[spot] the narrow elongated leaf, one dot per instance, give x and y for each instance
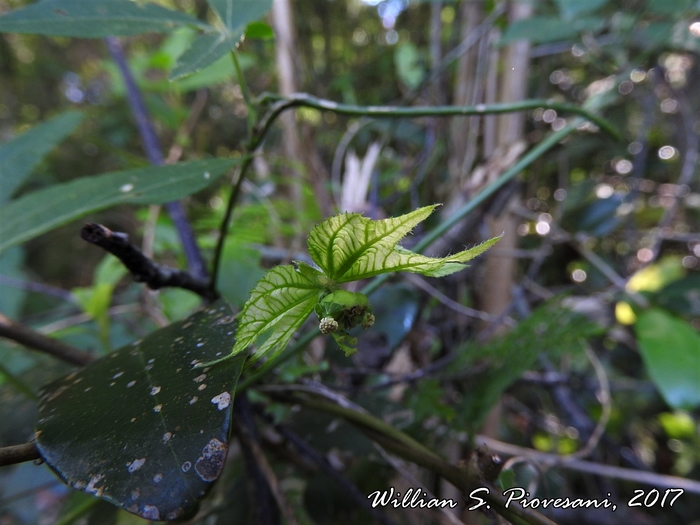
(141, 427)
(279, 304)
(205, 50)
(236, 14)
(94, 18)
(350, 240)
(20, 156)
(43, 210)
(671, 351)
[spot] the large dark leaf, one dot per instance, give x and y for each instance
(141, 427)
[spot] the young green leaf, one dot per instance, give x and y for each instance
(277, 307)
(350, 241)
(141, 427)
(349, 247)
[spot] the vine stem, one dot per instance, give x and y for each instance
(281, 104)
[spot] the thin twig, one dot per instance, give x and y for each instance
(604, 399)
(45, 289)
(317, 458)
(142, 268)
(155, 156)
(454, 305)
(18, 454)
(398, 466)
(31, 339)
(256, 462)
(554, 460)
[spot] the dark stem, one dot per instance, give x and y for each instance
(18, 454)
(150, 143)
(31, 339)
(143, 269)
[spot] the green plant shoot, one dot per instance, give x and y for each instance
(347, 247)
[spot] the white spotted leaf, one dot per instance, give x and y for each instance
(142, 427)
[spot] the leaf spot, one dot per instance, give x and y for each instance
(130, 384)
(201, 387)
(199, 345)
(167, 436)
(157, 408)
(186, 466)
(57, 393)
(135, 494)
(126, 188)
(112, 383)
(133, 419)
(118, 374)
(211, 462)
(155, 390)
(207, 175)
(150, 513)
(225, 320)
(148, 367)
(222, 401)
(200, 378)
(91, 486)
(194, 400)
(87, 389)
(135, 465)
(151, 360)
(158, 478)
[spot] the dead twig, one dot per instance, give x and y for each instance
(141, 267)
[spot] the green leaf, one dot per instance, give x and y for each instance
(141, 427)
(542, 29)
(349, 247)
(570, 9)
(236, 14)
(277, 307)
(670, 348)
(94, 18)
(19, 156)
(205, 50)
(350, 241)
(46, 209)
(259, 31)
(408, 66)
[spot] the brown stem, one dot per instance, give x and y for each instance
(141, 267)
(18, 454)
(31, 339)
